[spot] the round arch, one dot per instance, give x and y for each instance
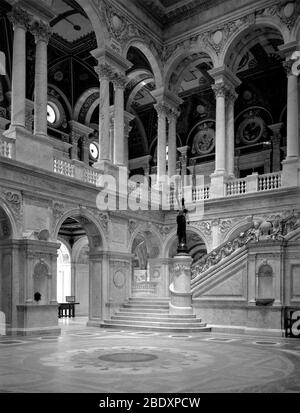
(239, 227)
(16, 231)
(184, 53)
(93, 12)
(224, 56)
(144, 230)
(90, 225)
(153, 60)
(83, 99)
(173, 234)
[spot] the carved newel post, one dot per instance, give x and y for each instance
(180, 288)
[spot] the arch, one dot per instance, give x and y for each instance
(244, 29)
(83, 99)
(91, 225)
(295, 34)
(153, 60)
(63, 96)
(77, 247)
(15, 231)
(173, 234)
(239, 227)
(93, 12)
(184, 53)
(144, 229)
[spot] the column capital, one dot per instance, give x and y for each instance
(220, 89)
(119, 81)
(41, 31)
(288, 64)
(161, 109)
(19, 18)
(173, 114)
(232, 95)
(104, 71)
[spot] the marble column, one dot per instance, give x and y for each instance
(127, 129)
(230, 134)
(105, 73)
(85, 150)
(20, 20)
(276, 139)
(172, 144)
(220, 90)
(41, 32)
(119, 84)
(74, 140)
(161, 141)
(292, 113)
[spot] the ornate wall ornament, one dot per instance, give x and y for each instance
(119, 279)
(58, 210)
(41, 269)
(41, 31)
(203, 138)
(220, 90)
(252, 129)
(85, 107)
(164, 230)
(179, 268)
(14, 200)
(19, 18)
(204, 226)
(287, 13)
(104, 220)
(119, 80)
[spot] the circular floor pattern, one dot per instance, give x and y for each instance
(50, 338)
(267, 343)
(128, 357)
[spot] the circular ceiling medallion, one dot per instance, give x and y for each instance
(218, 37)
(204, 140)
(251, 130)
(288, 10)
(58, 76)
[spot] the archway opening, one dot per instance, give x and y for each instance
(5, 273)
(77, 276)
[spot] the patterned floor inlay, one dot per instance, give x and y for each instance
(267, 343)
(128, 357)
(10, 342)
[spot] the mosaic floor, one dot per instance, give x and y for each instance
(86, 359)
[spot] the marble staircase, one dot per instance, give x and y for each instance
(145, 313)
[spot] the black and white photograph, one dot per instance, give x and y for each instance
(149, 203)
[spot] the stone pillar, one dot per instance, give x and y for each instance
(74, 141)
(85, 150)
(80, 131)
(20, 21)
(41, 32)
(230, 134)
(161, 141)
(119, 84)
(220, 91)
(95, 289)
(180, 287)
(276, 139)
(105, 74)
(128, 118)
(292, 113)
(172, 144)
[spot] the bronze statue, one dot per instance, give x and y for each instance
(181, 229)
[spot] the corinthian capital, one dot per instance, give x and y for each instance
(19, 18)
(104, 71)
(119, 81)
(161, 109)
(41, 31)
(288, 65)
(220, 89)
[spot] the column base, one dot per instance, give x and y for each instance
(217, 184)
(180, 288)
(291, 172)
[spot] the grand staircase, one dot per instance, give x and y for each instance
(145, 313)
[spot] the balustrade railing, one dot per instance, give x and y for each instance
(91, 176)
(64, 167)
(236, 187)
(5, 148)
(271, 181)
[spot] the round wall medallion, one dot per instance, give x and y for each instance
(156, 274)
(251, 130)
(204, 141)
(289, 9)
(217, 37)
(58, 76)
(119, 279)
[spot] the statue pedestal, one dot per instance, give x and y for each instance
(180, 288)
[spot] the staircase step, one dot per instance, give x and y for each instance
(144, 310)
(147, 306)
(173, 329)
(156, 323)
(122, 312)
(155, 319)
